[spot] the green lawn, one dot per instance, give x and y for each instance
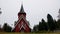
(29, 33)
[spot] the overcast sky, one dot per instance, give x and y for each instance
(35, 10)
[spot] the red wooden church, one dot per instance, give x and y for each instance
(22, 24)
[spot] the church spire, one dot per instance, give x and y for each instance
(22, 9)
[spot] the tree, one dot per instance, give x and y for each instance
(6, 27)
(50, 22)
(40, 26)
(35, 28)
(58, 23)
(15, 23)
(44, 25)
(59, 19)
(0, 11)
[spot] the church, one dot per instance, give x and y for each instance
(22, 25)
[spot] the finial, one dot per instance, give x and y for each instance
(21, 2)
(22, 9)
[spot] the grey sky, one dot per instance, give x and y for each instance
(35, 10)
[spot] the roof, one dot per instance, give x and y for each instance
(22, 9)
(20, 20)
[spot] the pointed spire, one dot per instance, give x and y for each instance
(22, 9)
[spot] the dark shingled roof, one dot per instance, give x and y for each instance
(22, 9)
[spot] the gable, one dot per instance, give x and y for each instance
(24, 19)
(19, 23)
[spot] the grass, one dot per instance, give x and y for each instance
(29, 33)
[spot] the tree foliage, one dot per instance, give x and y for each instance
(35, 28)
(58, 24)
(6, 27)
(44, 25)
(50, 25)
(50, 22)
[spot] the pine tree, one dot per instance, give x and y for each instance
(50, 22)
(6, 27)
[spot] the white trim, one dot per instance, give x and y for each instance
(20, 19)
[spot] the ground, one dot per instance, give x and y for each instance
(29, 33)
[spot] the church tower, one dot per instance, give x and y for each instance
(21, 12)
(22, 24)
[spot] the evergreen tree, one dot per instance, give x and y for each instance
(58, 23)
(40, 26)
(44, 25)
(0, 11)
(50, 22)
(6, 27)
(35, 28)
